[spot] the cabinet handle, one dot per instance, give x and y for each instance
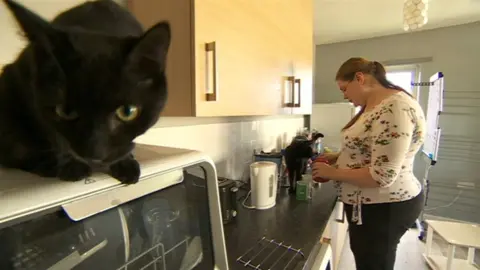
(211, 71)
(289, 91)
(341, 220)
(297, 87)
(342, 212)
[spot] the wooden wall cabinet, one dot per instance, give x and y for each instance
(235, 57)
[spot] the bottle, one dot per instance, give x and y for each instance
(308, 182)
(310, 187)
(319, 145)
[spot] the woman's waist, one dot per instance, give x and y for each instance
(405, 168)
(381, 201)
(404, 181)
(399, 191)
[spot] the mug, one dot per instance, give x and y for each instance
(319, 179)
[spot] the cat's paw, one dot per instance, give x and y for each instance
(74, 171)
(126, 171)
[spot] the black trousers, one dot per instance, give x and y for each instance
(374, 243)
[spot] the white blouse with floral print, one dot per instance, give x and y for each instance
(385, 139)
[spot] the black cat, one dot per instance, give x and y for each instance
(83, 89)
(297, 155)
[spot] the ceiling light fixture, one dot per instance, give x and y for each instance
(414, 14)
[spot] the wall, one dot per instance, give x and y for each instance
(11, 40)
(453, 51)
(450, 50)
(229, 141)
(331, 127)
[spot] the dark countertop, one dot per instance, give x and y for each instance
(296, 223)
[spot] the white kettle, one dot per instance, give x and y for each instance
(263, 183)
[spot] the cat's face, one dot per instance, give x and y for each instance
(95, 93)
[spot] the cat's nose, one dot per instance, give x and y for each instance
(95, 157)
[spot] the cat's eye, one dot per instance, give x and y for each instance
(127, 113)
(64, 113)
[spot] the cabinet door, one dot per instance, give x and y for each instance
(250, 62)
(303, 51)
(339, 226)
(180, 59)
(252, 53)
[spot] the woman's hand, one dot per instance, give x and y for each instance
(321, 171)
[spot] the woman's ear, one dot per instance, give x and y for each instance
(360, 77)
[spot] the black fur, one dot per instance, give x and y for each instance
(61, 100)
(297, 155)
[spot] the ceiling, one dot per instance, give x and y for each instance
(344, 20)
(337, 20)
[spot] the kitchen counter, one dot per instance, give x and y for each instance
(296, 223)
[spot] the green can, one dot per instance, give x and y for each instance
(303, 190)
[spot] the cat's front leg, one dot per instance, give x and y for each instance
(44, 166)
(126, 170)
(74, 170)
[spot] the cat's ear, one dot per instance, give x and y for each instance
(35, 28)
(152, 47)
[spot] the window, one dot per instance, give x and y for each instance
(403, 76)
(402, 79)
(357, 109)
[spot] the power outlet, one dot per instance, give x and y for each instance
(466, 185)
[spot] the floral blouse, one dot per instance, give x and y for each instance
(386, 140)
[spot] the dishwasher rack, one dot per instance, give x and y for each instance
(158, 261)
(153, 258)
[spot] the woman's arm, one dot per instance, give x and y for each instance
(391, 136)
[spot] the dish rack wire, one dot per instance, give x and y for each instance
(158, 262)
(268, 254)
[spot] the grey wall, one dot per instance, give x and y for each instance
(455, 51)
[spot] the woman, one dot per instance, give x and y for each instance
(373, 172)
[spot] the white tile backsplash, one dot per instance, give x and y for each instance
(230, 145)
